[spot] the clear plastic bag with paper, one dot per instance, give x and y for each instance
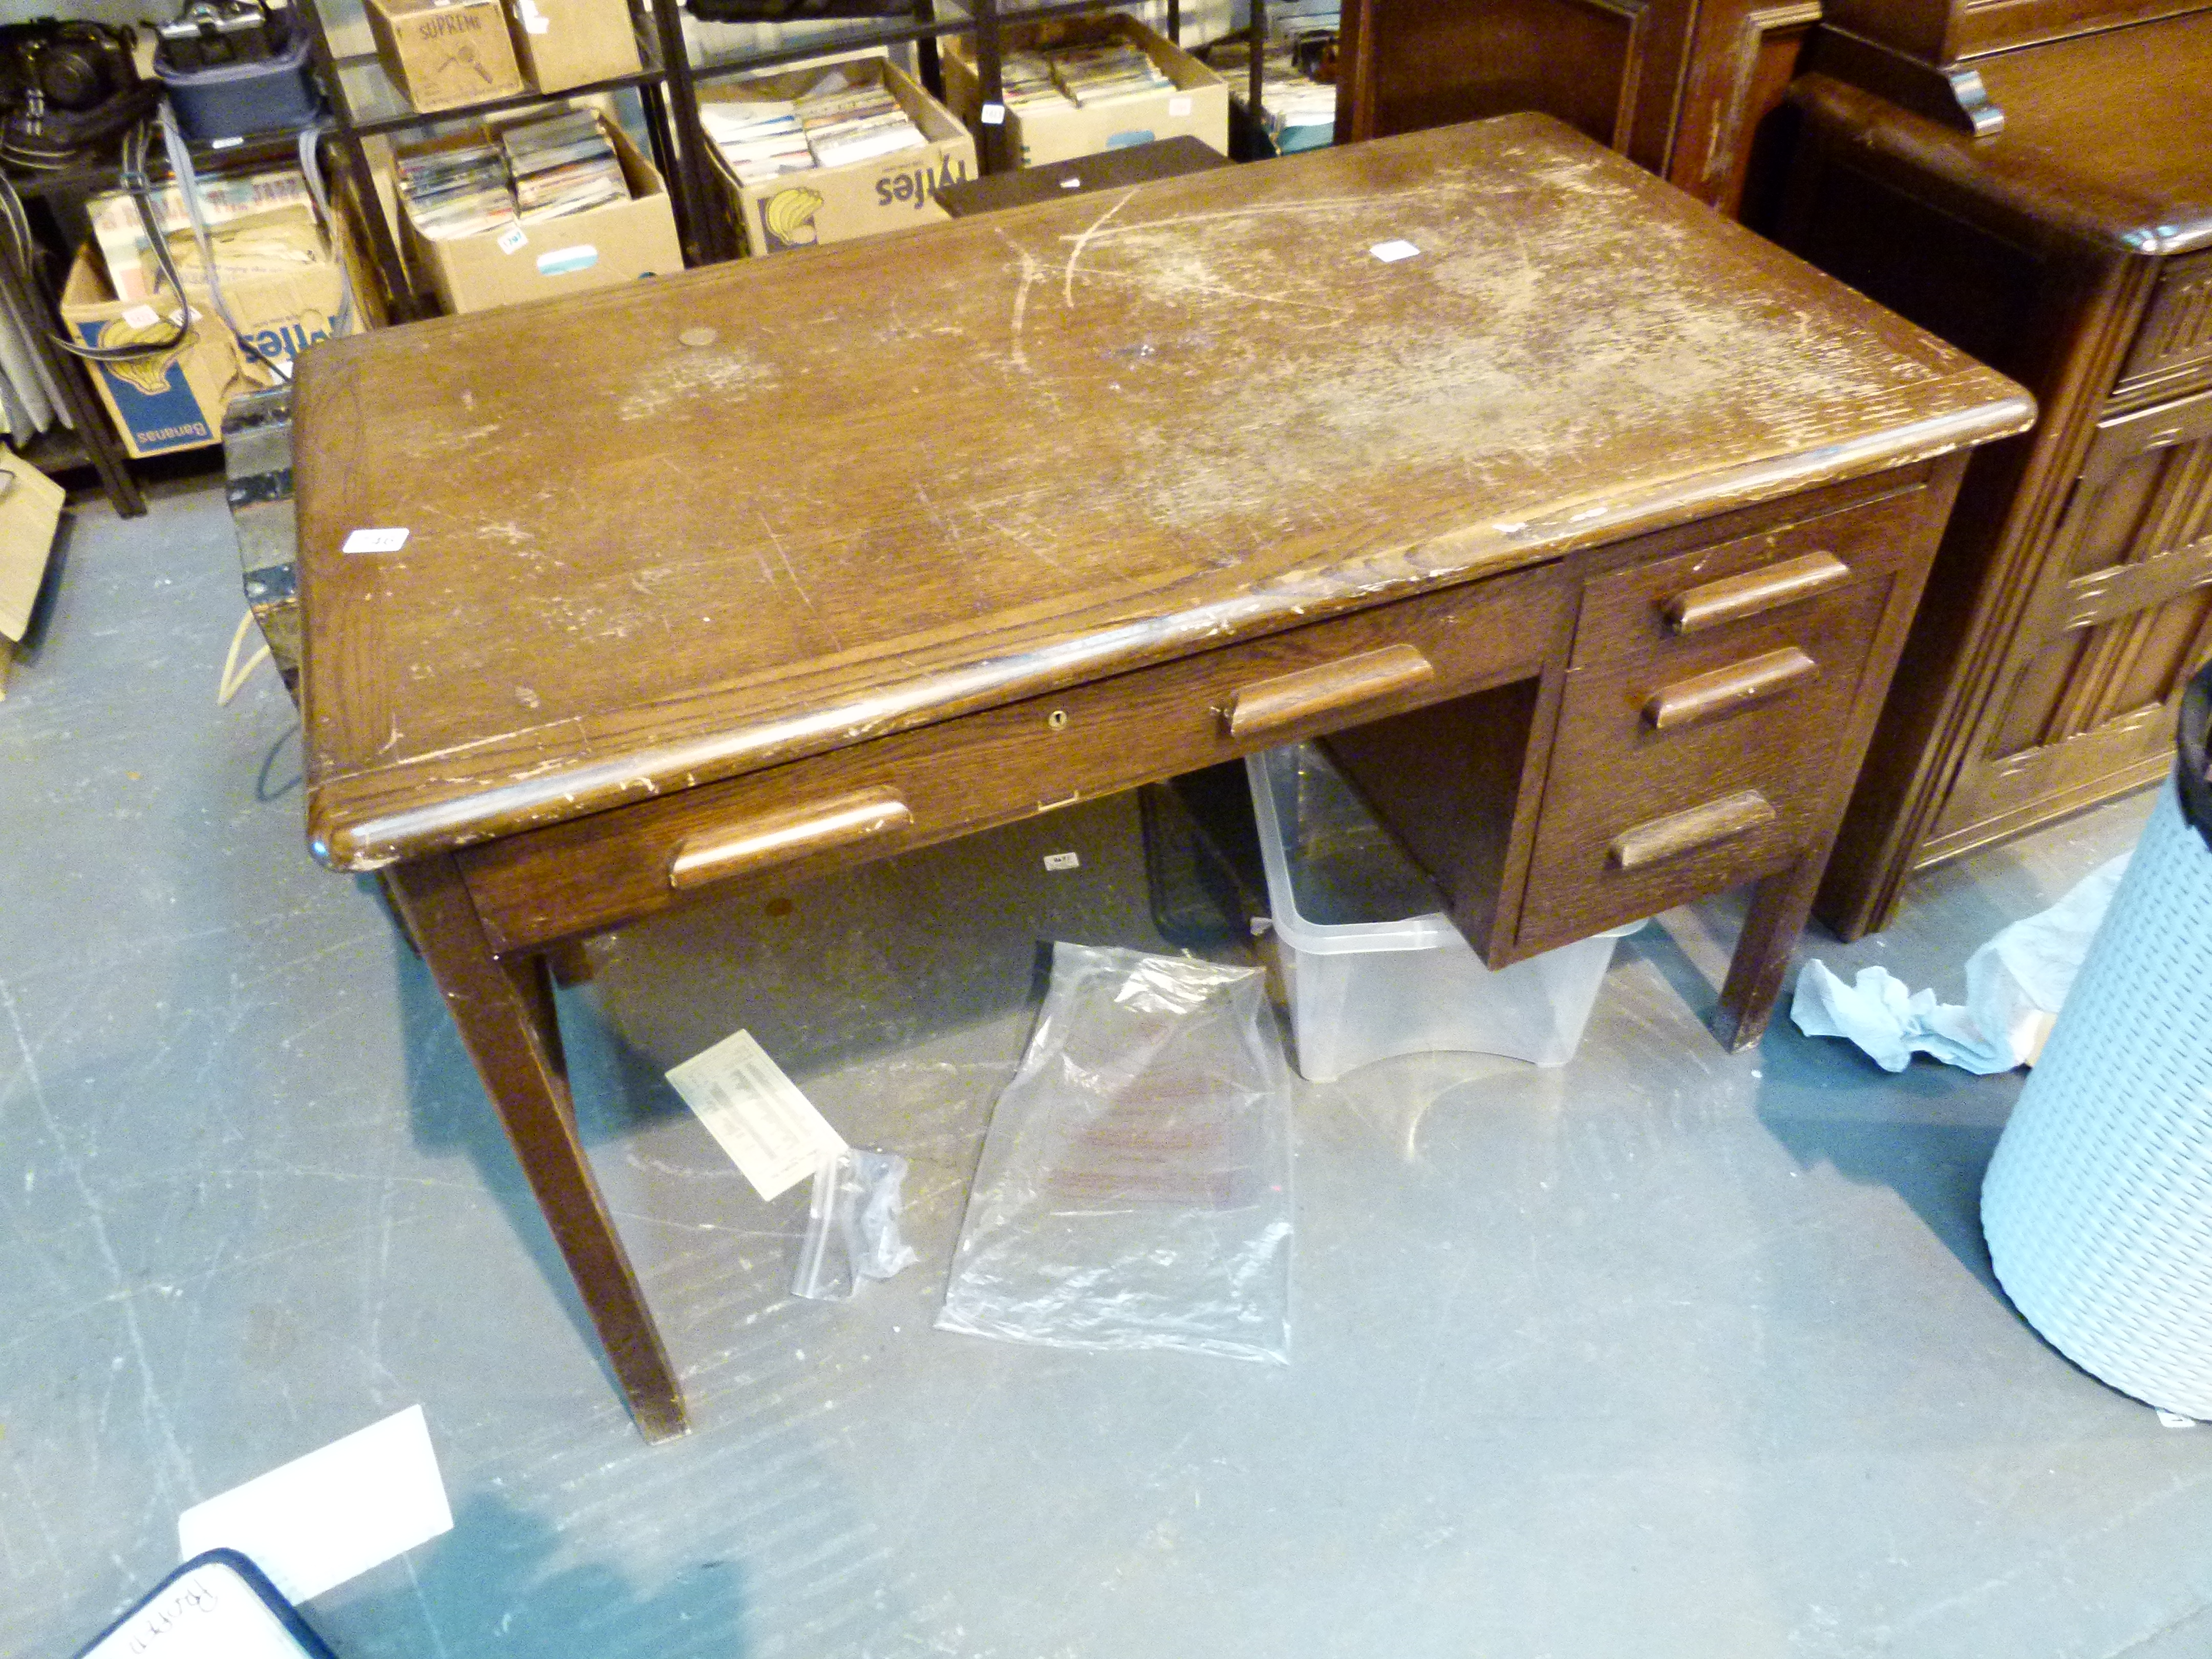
(1135, 1185)
(852, 1225)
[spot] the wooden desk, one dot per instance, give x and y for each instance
(1591, 530)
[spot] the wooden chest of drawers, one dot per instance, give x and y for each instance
(2073, 594)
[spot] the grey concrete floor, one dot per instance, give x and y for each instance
(1667, 1352)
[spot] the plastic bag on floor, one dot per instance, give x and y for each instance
(851, 1226)
(2015, 984)
(1135, 1185)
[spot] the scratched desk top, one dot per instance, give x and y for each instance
(696, 525)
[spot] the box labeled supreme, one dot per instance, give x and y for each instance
(445, 54)
(861, 198)
(536, 259)
(173, 398)
(573, 43)
(1196, 102)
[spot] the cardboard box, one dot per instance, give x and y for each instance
(30, 510)
(572, 43)
(596, 248)
(862, 198)
(1197, 105)
(175, 400)
(225, 199)
(445, 54)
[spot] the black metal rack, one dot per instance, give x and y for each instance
(364, 103)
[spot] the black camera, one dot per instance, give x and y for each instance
(73, 68)
(64, 90)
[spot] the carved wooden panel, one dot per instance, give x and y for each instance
(2125, 615)
(2176, 335)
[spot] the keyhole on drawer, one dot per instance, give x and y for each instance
(1057, 719)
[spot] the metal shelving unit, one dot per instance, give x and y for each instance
(366, 103)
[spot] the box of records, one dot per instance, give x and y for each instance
(445, 54)
(572, 43)
(547, 203)
(827, 155)
(193, 359)
(1090, 84)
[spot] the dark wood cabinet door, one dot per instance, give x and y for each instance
(1678, 87)
(2122, 616)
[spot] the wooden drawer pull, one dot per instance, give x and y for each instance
(1735, 597)
(1265, 706)
(776, 837)
(1703, 696)
(1685, 832)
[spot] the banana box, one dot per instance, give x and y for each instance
(858, 198)
(173, 396)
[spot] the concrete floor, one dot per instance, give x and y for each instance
(1668, 1352)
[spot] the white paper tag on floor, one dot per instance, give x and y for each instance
(209, 1612)
(1063, 860)
(1391, 252)
(771, 1132)
(2175, 1419)
(316, 1522)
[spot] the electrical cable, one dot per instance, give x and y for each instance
(188, 185)
(132, 172)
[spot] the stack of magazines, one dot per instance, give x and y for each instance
(759, 137)
(1098, 75)
(845, 122)
(457, 191)
(835, 121)
(1026, 82)
(563, 164)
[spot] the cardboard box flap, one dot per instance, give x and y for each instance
(30, 512)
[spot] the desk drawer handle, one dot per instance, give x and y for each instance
(778, 837)
(1687, 832)
(1257, 709)
(1704, 696)
(1732, 598)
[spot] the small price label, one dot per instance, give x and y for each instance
(141, 317)
(225, 143)
(994, 115)
(1063, 861)
(512, 240)
(374, 541)
(1178, 107)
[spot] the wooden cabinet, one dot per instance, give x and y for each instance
(2071, 246)
(1678, 87)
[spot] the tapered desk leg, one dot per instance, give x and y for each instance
(1779, 905)
(504, 1010)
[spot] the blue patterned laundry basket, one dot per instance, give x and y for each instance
(2098, 1204)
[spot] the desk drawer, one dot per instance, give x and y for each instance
(1688, 760)
(1696, 604)
(914, 788)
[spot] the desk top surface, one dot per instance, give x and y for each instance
(691, 527)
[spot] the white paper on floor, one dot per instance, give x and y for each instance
(2015, 984)
(313, 1523)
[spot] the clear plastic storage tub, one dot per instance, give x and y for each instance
(1371, 964)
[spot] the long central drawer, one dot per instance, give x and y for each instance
(926, 785)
